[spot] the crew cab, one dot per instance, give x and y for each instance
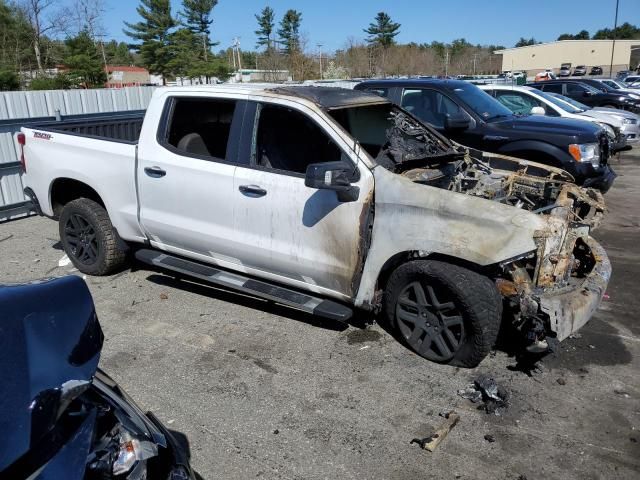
(475, 119)
(327, 200)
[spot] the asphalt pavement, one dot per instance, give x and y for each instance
(262, 391)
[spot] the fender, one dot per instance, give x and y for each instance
(430, 220)
(549, 154)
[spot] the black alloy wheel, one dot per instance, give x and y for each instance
(430, 321)
(82, 239)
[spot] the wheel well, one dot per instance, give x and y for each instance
(537, 156)
(64, 190)
(404, 257)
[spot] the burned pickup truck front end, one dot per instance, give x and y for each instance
(525, 225)
(556, 289)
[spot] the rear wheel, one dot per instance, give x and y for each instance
(445, 313)
(89, 239)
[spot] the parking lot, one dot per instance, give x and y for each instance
(261, 391)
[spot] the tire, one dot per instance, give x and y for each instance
(456, 318)
(89, 239)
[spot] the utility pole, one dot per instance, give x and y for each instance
(475, 59)
(104, 56)
(320, 58)
(446, 63)
(236, 53)
(613, 45)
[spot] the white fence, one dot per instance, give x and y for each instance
(20, 108)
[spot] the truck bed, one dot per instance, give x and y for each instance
(124, 127)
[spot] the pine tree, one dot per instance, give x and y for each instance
(289, 31)
(153, 33)
(198, 19)
(383, 31)
(266, 24)
(84, 61)
(185, 52)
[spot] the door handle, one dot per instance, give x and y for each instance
(252, 191)
(155, 172)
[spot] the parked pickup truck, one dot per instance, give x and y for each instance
(327, 200)
(466, 114)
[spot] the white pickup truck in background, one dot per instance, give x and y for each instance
(326, 200)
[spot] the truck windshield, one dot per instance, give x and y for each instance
(481, 102)
(369, 125)
(613, 84)
(580, 107)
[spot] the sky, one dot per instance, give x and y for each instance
(332, 22)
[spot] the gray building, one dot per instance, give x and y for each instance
(592, 53)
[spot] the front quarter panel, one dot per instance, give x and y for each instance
(410, 217)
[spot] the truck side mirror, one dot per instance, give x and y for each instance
(456, 121)
(538, 111)
(332, 176)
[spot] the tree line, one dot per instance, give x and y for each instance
(31, 47)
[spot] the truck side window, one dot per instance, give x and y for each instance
(575, 89)
(201, 126)
(429, 105)
(288, 140)
(553, 88)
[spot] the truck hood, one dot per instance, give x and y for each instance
(50, 343)
(542, 125)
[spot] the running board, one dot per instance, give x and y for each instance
(301, 301)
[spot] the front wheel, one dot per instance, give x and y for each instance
(89, 239)
(446, 313)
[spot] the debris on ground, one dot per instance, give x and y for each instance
(431, 442)
(164, 296)
(528, 363)
(64, 261)
(622, 393)
(489, 438)
(561, 381)
(485, 390)
(575, 335)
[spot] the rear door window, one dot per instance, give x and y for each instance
(200, 127)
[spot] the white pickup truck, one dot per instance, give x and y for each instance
(326, 200)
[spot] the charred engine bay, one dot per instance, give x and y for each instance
(425, 157)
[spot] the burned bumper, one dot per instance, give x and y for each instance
(569, 310)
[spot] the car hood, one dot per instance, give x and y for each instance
(604, 117)
(50, 342)
(617, 112)
(547, 125)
